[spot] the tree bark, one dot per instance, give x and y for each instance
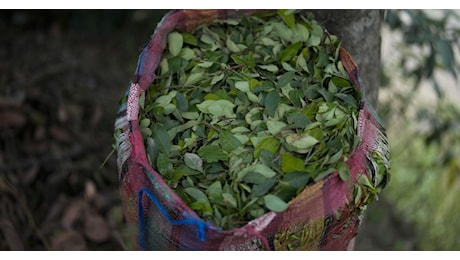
(359, 31)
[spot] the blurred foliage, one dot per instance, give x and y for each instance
(425, 140)
(426, 177)
(434, 40)
(429, 45)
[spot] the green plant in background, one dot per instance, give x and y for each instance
(435, 38)
(425, 140)
(427, 47)
(426, 183)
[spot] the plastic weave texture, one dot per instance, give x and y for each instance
(325, 216)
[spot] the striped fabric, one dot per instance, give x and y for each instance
(325, 216)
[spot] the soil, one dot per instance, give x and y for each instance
(62, 75)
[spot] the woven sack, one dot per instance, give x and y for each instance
(325, 216)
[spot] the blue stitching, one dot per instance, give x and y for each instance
(201, 225)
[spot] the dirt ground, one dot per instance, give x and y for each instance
(61, 76)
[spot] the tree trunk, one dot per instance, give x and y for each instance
(359, 31)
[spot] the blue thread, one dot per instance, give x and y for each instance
(141, 237)
(201, 225)
(141, 60)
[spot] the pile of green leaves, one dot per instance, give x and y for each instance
(245, 113)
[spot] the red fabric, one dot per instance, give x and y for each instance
(322, 217)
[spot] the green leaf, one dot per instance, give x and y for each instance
(181, 102)
(285, 79)
(316, 35)
(358, 193)
(181, 128)
(237, 59)
(152, 150)
(212, 153)
(217, 78)
(296, 96)
(269, 67)
(190, 39)
(301, 63)
(274, 127)
(297, 120)
(165, 99)
(314, 40)
(228, 142)
(164, 66)
(323, 58)
(271, 103)
(176, 175)
(146, 132)
(144, 123)
(175, 64)
(196, 194)
(175, 42)
(267, 41)
(190, 115)
(217, 108)
(240, 129)
(211, 96)
(243, 86)
(161, 137)
(262, 188)
(323, 174)
(349, 100)
(194, 78)
(288, 17)
(232, 46)
(164, 165)
(229, 199)
(215, 190)
(193, 161)
(187, 53)
(301, 33)
(203, 207)
(290, 52)
(205, 64)
(290, 163)
(254, 177)
(344, 172)
(301, 141)
(274, 203)
(264, 170)
(340, 82)
(142, 100)
(364, 180)
(283, 31)
(269, 143)
(297, 179)
(336, 157)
